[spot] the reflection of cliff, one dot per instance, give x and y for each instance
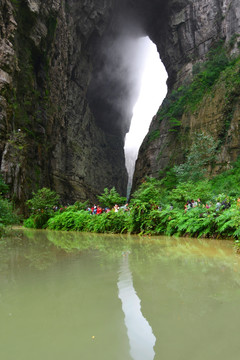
(140, 335)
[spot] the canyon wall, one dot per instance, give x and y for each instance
(69, 77)
(192, 31)
(49, 136)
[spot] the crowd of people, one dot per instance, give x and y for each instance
(220, 205)
(97, 209)
(190, 204)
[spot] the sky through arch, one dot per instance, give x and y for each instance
(152, 92)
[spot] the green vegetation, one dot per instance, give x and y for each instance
(29, 99)
(3, 186)
(41, 207)
(201, 157)
(153, 135)
(188, 97)
(44, 198)
(7, 214)
(157, 209)
(110, 222)
(111, 197)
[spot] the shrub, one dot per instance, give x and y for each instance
(63, 221)
(139, 217)
(227, 182)
(202, 155)
(41, 207)
(7, 215)
(110, 222)
(228, 222)
(78, 205)
(30, 223)
(43, 199)
(190, 190)
(111, 197)
(151, 191)
(3, 186)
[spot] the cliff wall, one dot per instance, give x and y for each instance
(49, 136)
(194, 32)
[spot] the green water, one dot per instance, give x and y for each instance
(83, 296)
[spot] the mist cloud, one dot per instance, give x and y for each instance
(118, 61)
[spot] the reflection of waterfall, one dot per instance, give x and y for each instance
(141, 338)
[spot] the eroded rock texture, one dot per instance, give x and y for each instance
(69, 77)
(45, 72)
(184, 35)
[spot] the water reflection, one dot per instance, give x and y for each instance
(58, 290)
(141, 337)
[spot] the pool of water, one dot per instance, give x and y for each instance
(87, 296)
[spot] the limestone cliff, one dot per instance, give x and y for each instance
(193, 29)
(49, 136)
(69, 76)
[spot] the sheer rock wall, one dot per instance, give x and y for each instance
(49, 136)
(184, 36)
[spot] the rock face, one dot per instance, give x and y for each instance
(184, 35)
(46, 69)
(69, 77)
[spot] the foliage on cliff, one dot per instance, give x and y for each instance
(201, 157)
(205, 75)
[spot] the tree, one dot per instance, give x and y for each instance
(111, 197)
(202, 155)
(3, 186)
(41, 207)
(43, 199)
(151, 191)
(7, 215)
(188, 190)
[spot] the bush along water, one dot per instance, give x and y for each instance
(7, 214)
(195, 208)
(41, 207)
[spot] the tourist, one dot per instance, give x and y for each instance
(116, 208)
(99, 210)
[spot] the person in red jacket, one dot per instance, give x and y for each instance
(99, 210)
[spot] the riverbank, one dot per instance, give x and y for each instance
(199, 222)
(208, 208)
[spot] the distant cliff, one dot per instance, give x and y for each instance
(69, 77)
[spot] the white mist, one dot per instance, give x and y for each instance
(153, 91)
